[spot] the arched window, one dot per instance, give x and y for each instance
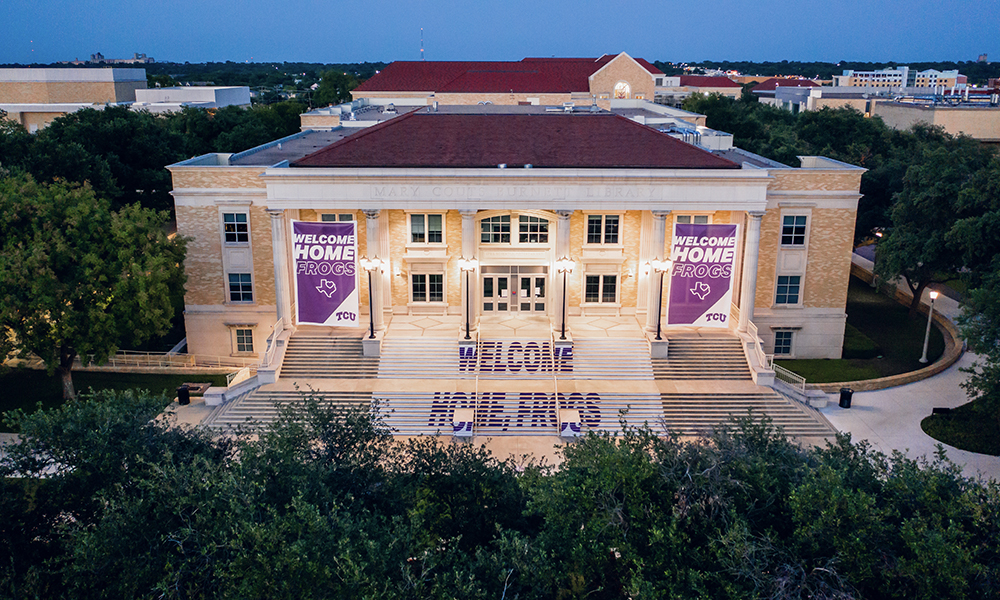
(623, 90)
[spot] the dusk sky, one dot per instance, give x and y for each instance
(297, 30)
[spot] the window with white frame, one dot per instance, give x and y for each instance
(783, 342)
(602, 289)
(333, 217)
(495, 230)
(787, 291)
(244, 340)
(427, 287)
(236, 227)
(603, 229)
(240, 287)
(426, 229)
(693, 219)
(533, 230)
(793, 230)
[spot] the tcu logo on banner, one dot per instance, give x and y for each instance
(326, 274)
(701, 282)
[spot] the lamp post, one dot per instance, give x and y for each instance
(878, 236)
(468, 265)
(927, 333)
(371, 265)
(565, 266)
(661, 267)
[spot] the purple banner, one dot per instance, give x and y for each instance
(326, 273)
(701, 281)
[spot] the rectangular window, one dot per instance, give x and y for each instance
(533, 230)
(426, 229)
(602, 229)
(236, 228)
(240, 287)
(788, 290)
(330, 217)
(696, 219)
(782, 342)
(495, 230)
(793, 230)
(601, 289)
(427, 287)
(244, 340)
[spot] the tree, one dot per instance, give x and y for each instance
(77, 279)
(334, 88)
(919, 244)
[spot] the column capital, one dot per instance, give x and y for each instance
(276, 213)
(372, 213)
(756, 214)
(564, 214)
(661, 214)
(468, 212)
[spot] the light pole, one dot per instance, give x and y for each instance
(927, 333)
(468, 265)
(878, 236)
(371, 265)
(661, 267)
(565, 266)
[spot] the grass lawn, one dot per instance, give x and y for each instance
(973, 427)
(885, 321)
(26, 388)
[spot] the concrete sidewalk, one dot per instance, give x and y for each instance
(890, 418)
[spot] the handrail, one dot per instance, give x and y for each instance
(758, 349)
(269, 350)
(240, 376)
(135, 358)
(791, 378)
(734, 315)
(475, 397)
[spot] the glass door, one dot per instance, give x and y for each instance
(531, 297)
(496, 293)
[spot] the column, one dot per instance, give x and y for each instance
(562, 251)
(372, 223)
(658, 241)
(749, 288)
(472, 279)
(282, 290)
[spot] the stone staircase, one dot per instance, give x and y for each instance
(323, 357)
(694, 359)
(262, 406)
(610, 358)
(518, 359)
(423, 358)
(697, 414)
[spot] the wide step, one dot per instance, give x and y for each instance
(316, 357)
(698, 414)
(702, 359)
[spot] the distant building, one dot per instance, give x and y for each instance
(531, 81)
(173, 99)
(799, 99)
(901, 77)
(35, 97)
(979, 120)
(675, 90)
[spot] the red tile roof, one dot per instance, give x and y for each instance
(770, 84)
(544, 140)
(708, 82)
(551, 75)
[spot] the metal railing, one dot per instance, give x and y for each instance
(271, 346)
(793, 379)
(134, 358)
(240, 376)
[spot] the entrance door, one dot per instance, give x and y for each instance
(496, 293)
(532, 295)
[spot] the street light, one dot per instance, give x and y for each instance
(371, 265)
(878, 236)
(565, 266)
(661, 267)
(468, 265)
(927, 333)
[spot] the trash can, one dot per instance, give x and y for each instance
(184, 395)
(845, 397)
